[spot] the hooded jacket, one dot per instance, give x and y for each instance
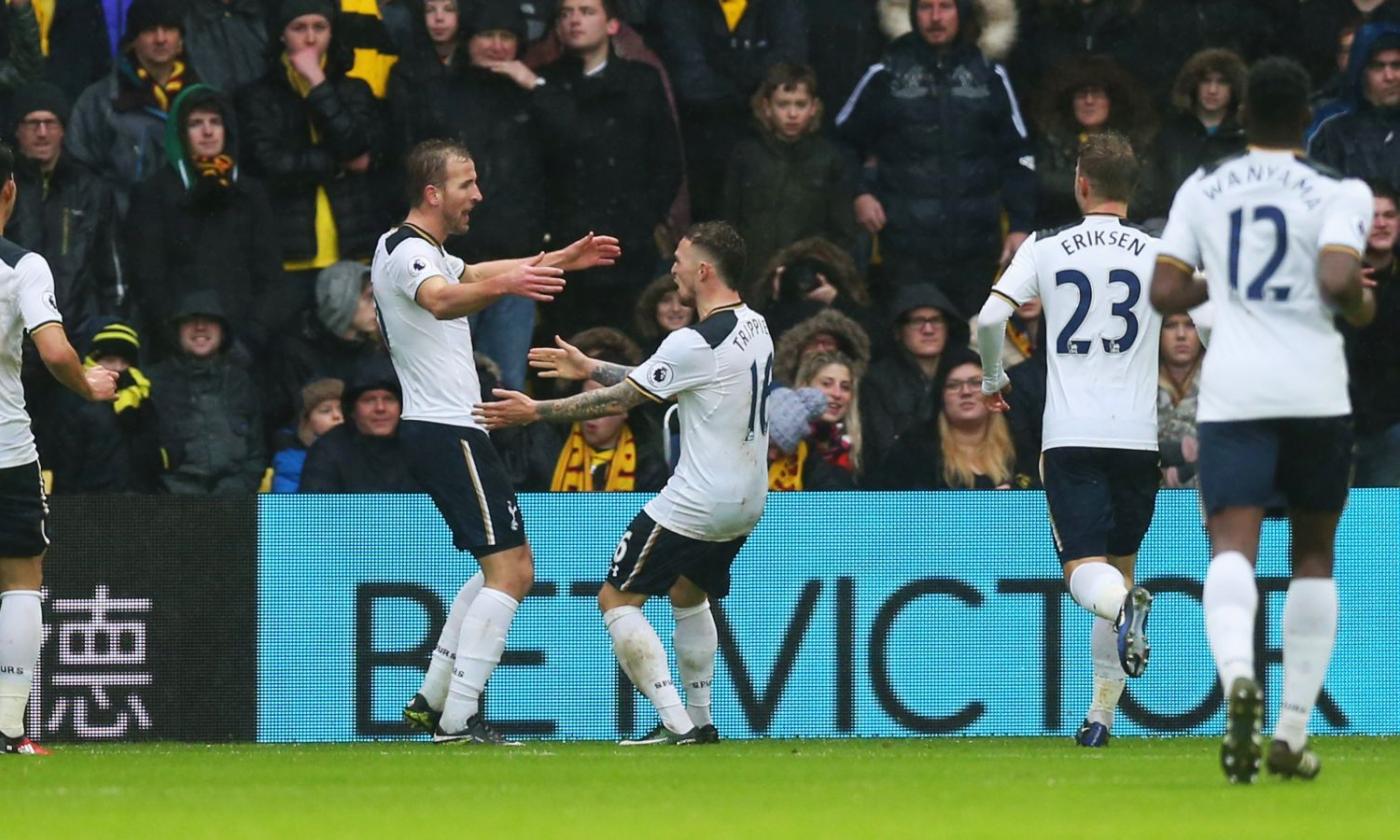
(345, 461)
(210, 414)
(952, 151)
(851, 340)
(1362, 140)
(789, 308)
(190, 232)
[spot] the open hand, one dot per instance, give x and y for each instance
(511, 408)
(870, 213)
(516, 71)
(102, 384)
(588, 252)
(562, 362)
(534, 280)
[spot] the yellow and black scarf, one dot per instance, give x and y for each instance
(163, 95)
(785, 473)
(575, 471)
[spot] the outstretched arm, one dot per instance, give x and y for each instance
(586, 252)
(516, 409)
(565, 361)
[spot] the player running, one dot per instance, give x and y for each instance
(681, 545)
(424, 296)
(1281, 240)
(1099, 457)
(26, 305)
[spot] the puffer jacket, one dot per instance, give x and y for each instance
(1361, 141)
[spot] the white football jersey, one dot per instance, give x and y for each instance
(26, 304)
(1092, 279)
(719, 371)
(1256, 222)
(432, 358)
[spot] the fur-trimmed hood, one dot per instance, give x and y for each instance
(999, 20)
(850, 338)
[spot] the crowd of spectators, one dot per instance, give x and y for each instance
(208, 178)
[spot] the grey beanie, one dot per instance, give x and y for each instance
(338, 289)
(790, 415)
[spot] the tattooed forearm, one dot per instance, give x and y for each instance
(603, 402)
(607, 373)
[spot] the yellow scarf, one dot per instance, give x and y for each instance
(573, 472)
(327, 237)
(163, 93)
(733, 12)
(43, 15)
(786, 472)
(132, 395)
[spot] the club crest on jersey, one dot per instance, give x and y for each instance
(419, 265)
(661, 374)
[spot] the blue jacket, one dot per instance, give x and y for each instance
(286, 468)
(1352, 135)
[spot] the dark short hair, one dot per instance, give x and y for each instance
(7, 163)
(611, 10)
(1107, 161)
(725, 247)
(426, 165)
(1276, 101)
(1383, 189)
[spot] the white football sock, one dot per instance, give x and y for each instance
(479, 647)
(696, 641)
(1230, 598)
(1108, 673)
(1098, 588)
(644, 660)
(1309, 630)
(439, 675)
(21, 632)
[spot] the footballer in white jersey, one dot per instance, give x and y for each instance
(27, 307)
(1280, 239)
(684, 541)
(1099, 456)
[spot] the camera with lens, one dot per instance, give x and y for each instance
(800, 278)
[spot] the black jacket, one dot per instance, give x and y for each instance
(1373, 356)
(305, 353)
(1183, 146)
(210, 413)
(107, 447)
(1362, 141)
(71, 220)
(277, 147)
(915, 462)
(226, 41)
(79, 53)
(493, 117)
(345, 461)
(715, 69)
(894, 396)
(613, 157)
(952, 152)
(776, 193)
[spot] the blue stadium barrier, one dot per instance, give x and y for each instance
(856, 614)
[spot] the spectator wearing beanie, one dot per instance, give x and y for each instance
(320, 412)
(64, 211)
(199, 223)
(110, 447)
(791, 463)
(316, 136)
(333, 340)
(118, 125)
(363, 454)
(211, 408)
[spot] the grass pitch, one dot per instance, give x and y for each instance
(863, 789)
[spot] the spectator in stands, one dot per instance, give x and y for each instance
(320, 412)
(317, 138)
(964, 446)
(118, 123)
(792, 464)
(1204, 128)
(1172, 30)
(660, 312)
(64, 211)
(949, 148)
(1330, 97)
(1024, 334)
(789, 182)
(366, 42)
(612, 157)
(363, 455)
(1178, 383)
(835, 435)
(480, 104)
(1084, 96)
(227, 40)
(805, 278)
(445, 42)
(1373, 354)
(200, 223)
(900, 390)
(23, 60)
(1324, 24)
(333, 341)
(717, 54)
(843, 38)
(1055, 31)
(1363, 141)
(826, 331)
(71, 44)
(110, 447)
(618, 453)
(210, 408)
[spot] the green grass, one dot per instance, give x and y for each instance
(854, 789)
